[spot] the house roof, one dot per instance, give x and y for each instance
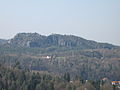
(116, 82)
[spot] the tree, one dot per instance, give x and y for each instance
(106, 86)
(41, 86)
(70, 87)
(89, 86)
(50, 86)
(67, 77)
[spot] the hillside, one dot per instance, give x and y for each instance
(91, 65)
(55, 40)
(57, 54)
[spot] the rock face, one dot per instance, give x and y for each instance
(56, 40)
(27, 40)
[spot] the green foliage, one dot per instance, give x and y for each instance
(16, 79)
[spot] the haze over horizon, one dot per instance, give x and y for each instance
(89, 19)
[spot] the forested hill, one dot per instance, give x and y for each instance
(55, 40)
(3, 41)
(58, 54)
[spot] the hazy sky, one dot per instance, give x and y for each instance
(91, 19)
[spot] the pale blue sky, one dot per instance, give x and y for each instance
(91, 19)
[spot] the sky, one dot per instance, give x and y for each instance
(97, 20)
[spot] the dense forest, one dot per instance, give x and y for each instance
(30, 61)
(15, 78)
(90, 64)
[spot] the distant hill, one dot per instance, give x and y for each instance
(56, 40)
(3, 41)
